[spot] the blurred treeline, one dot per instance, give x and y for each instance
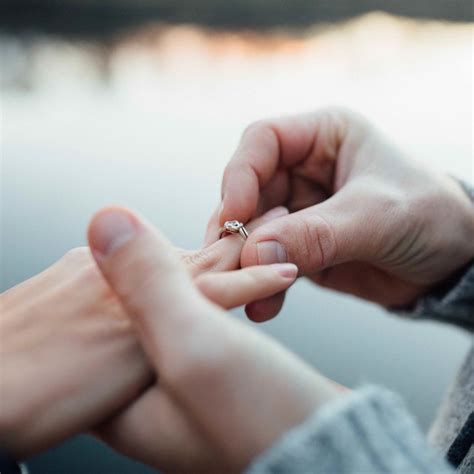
(106, 17)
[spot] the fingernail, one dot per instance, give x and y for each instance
(271, 251)
(111, 230)
(286, 270)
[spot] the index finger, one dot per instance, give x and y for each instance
(265, 147)
(224, 254)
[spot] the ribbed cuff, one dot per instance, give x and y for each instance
(367, 431)
(455, 305)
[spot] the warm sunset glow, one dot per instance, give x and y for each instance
(394, 70)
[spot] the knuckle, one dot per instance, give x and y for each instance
(316, 242)
(262, 132)
(344, 116)
(310, 243)
(86, 273)
(202, 260)
(89, 282)
(258, 127)
(326, 239)
(340, 112)
(90, 275)
(256, 276)
(336, 125)
(78, 255)
(336, 112)
(205, 285)
(339, 124)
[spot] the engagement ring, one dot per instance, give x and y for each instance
(234, 227)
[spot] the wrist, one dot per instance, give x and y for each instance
(449, 230)
(13, 413)
(316, 393)
(465, 197)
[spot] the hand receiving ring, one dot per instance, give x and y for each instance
(234, 227)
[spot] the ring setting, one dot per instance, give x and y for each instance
(234, 227)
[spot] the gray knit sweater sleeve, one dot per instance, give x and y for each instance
(366, 431)
(454, 305)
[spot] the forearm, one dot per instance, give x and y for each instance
(369, 430)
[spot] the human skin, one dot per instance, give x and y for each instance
(69, 355)
(225, 391)
(365, 219)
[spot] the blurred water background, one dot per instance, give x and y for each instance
(147, 115)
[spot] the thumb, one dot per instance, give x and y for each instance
(333, 232)
(145, 273)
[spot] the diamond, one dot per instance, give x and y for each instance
(233, 226)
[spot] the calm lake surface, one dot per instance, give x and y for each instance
(151, 121)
